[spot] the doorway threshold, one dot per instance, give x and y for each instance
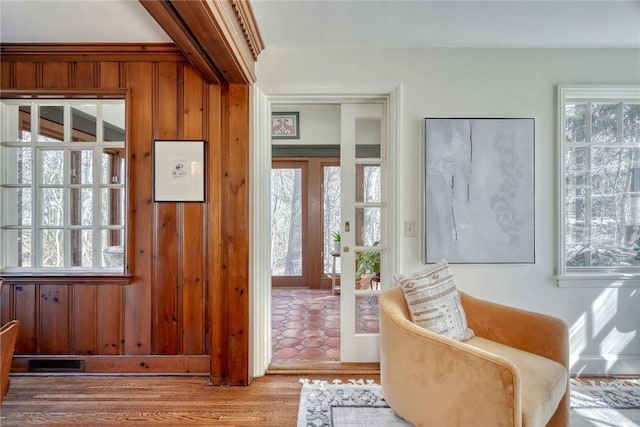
(333, 368)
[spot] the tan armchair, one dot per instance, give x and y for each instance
(514, 372)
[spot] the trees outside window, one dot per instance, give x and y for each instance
(600, 179)
(63, 185)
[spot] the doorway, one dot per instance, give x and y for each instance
(282, 94)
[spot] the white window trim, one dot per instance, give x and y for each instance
(96, 147)
(596, 277)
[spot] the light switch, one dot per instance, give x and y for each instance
(410, 228)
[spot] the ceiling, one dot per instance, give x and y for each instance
(355, 23)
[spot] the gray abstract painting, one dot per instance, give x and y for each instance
(479, 190)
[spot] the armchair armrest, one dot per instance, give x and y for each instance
(536, 333)
(433, 380)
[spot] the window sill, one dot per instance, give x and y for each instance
(67, 279)
(614, 280)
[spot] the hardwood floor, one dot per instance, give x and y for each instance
(157, 401)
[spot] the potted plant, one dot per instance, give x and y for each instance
(336, 241)
(368, 267)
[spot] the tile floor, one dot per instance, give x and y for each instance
(305, 324)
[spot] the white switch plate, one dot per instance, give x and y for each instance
(410, 228)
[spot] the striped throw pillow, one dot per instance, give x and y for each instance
(433, 301)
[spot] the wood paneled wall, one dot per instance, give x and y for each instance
(189, 261)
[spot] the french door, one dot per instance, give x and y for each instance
(363, 236)
(305, 211)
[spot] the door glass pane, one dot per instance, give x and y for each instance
(368, 184)
(286, 222)
(368, 226)
(368, 137)
(331, 205)
(24, 134)
(367, 316)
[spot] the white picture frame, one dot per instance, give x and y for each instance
(178, 171)
(479, 190)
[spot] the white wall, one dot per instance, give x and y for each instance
(604, 323)
(319, 124)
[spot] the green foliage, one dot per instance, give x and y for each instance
(368, 262)
(336, 236)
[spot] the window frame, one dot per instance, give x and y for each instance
(598, 277)
(76, 274)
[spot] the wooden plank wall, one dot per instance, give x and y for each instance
(189, 260)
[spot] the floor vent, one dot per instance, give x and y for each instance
(56, 365)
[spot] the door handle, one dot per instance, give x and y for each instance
(345, 249)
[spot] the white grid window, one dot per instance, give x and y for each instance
(599, 183)
(62, 186)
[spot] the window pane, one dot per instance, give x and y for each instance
(17, 210)
(81, 206)
(112, 248)
(17, 168)
(112, 166)
(331, 211)
(112, 200)
(631, 123)
(52, 244)
(81, 248)
(602, 216)
(52, 207)
(368, 137)
(52, 167)
(603, 122)
(24, 133)
(113, 122)
(575, 122)
(368, 222)
(368, 187)
(51, 123)
(286, 222)
(81, 167)
(83, 123)
(19, 244)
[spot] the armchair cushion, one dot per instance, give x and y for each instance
(433, 301)
(543, 381)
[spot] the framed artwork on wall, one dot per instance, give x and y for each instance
(285, 125)
(479, 190)
(178, 171)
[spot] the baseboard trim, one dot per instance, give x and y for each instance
(139, 365)
(604, 365)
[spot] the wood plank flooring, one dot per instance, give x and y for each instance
(157, 401)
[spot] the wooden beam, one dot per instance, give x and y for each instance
(172, 23)
(218, 37)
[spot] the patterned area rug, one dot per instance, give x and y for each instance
(605, 403)
(357, 403)
(360, 403)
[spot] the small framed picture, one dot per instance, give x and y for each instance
(285, 125)
(178, 171)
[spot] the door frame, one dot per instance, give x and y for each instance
(264, 96)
